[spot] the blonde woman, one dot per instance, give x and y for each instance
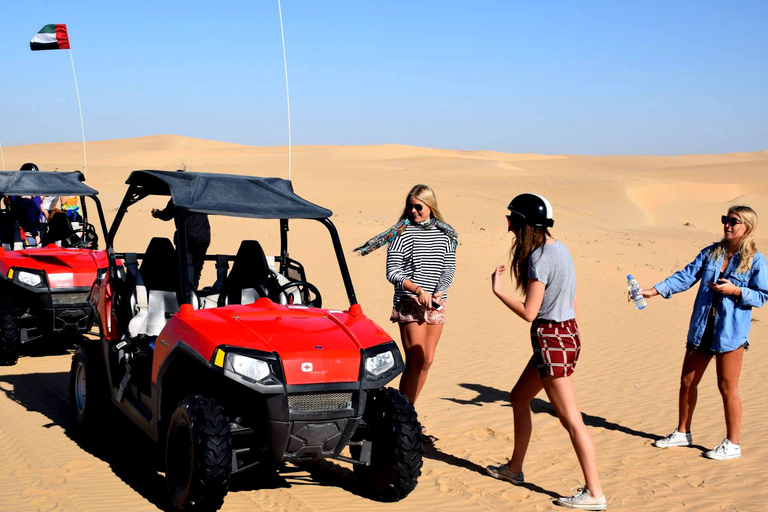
(734, 279)
(543, 271)
(421, 264)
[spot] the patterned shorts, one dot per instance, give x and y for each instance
(556, 347)
(411, 310)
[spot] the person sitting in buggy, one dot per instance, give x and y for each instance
(26, 211)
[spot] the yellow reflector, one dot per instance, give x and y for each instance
(219, 360)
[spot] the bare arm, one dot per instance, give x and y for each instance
(648, 292)
(526, 310)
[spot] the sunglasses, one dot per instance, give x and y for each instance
(731, 221)
(512, 222)
(416, 207)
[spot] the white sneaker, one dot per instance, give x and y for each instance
(674, 439)
(502, 472)
(583, 501)
(724, 451)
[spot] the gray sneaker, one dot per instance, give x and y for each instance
(674, 439)
(724, 451)
(583, 501)
(502, 472)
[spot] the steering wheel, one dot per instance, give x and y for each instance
(87, 238)
(90, 235)
(305, 288)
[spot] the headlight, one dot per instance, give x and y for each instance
(254, 369)
(380, 363)
(29, 278)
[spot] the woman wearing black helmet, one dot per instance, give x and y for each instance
(543, 271)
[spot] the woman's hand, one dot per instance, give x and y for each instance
(425, 299)
(646, 293)
(725, 287)
(496, 282)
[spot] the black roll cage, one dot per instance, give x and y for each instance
(55, 183)
(135, 193)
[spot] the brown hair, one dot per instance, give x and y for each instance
(527, 239)
(747, 247)
(427, 196)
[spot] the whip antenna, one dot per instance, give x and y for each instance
(287, 95)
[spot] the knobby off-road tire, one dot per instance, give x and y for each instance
(88, 386)
(198, 455)
(393, 428)
(10, 334)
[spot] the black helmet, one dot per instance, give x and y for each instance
(29, 166)
(530, 209)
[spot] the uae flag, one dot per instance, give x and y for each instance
(51, 37)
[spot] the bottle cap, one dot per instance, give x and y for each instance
(630, 277)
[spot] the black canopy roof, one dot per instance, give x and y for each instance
(228, 194)
(44, 183)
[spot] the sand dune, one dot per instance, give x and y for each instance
(646, 215)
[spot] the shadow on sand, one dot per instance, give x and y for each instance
(134, 457)
(50, 346)
(489, 395)
(433, 452)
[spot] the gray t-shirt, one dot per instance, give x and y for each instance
(552, 265)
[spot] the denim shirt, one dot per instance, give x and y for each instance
(733, 314)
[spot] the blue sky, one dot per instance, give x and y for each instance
(564, 77)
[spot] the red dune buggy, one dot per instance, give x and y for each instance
(46, 275)
(249, 372)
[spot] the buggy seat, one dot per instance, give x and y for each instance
(157, 285)
(250, 277)
(60, 231)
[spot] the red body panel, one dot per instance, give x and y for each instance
(101, 295)
(295, 333)
(66, 268)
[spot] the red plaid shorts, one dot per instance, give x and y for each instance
(556, 347)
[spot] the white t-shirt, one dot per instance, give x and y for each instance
(48, 202)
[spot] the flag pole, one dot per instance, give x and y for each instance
(287, 95)
(80, 109)
(2, 155)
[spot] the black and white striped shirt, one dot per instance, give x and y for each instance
(424, 256)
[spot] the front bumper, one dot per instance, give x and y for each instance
(44, 310)
(306, 422)
(314, 434)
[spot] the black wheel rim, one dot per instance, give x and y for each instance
(180, 457)
(80, 388)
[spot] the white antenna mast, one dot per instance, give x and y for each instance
(287, 95)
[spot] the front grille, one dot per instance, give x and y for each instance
(69, 298)
(327, 402)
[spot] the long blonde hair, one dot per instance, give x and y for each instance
(747, 246)
(527, 239)
(427, 196)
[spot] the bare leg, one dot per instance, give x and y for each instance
(527, 387)
(562, 395)
(728, 372)
(419, 344)
(694, 365)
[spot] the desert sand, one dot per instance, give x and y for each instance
(645, 215)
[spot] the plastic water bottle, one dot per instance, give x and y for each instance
(634, 290)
